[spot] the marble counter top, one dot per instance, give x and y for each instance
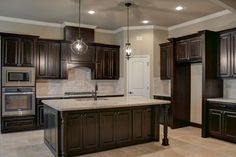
(51, 96)
(223, 100)
(101, 103)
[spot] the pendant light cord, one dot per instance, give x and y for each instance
(79, 17)
(128, 24)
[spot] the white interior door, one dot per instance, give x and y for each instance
(138, 73)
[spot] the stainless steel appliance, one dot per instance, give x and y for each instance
(18, 101)
(18, 76)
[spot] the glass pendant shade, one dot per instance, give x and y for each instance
(79, 47)
(128, 51)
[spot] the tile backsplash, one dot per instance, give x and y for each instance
(79, 80)
(230, 89)
(161, 87)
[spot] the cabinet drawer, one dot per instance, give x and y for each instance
(11, 125)
(222, 106)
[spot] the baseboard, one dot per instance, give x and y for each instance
(195, 125)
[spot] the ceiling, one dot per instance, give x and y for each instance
(110, 14)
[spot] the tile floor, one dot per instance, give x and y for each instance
(185, 142)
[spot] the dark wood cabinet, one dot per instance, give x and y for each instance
(227, 54)
(116, 127)
(106, 62)
(188, 50)
(166, 60)
(222, 120)
(142, 122)
(48, 59)
(18, 50)
(107, 128)
(12, 124)
(72, 34)
(40, 114)
(85, 126)
(215, 122)
(181, 50)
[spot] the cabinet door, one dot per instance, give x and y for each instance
(107, 129)
(233, 53)
(230, 125)
(42, 51)
(195, 53)
(124, 126)
(224, 56)
(98, 73)
(74, 132)
(84, 58)
(107, 63)
(27, 52)
(215, 122)
(166, 62)
(181, 51)
(53, 60)
(137, 124)
(10, 50)
(40, 116)
(91, 131)
(115, 63)
(147, 127)
(64, 61)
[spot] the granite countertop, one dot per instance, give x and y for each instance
(101, 103)
(47, 96)
(162, 95)
(223, 100)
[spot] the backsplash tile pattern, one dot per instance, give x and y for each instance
(161, 87)
(230, 89)
(79, 80)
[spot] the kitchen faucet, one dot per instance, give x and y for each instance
(95, 92)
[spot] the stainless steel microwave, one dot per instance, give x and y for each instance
(18, 76)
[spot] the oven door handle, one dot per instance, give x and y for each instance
(19, 93)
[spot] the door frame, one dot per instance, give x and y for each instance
(148, 71)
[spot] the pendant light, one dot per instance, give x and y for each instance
(79, 46)
(128, 50)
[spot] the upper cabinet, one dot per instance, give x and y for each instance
(49, 61)
(107, 62)
(188, 50)
(72, 34)
(166, 60)
(227, 54)
(18, 50)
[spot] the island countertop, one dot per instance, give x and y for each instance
(101, 103)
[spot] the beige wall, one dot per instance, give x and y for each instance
(145, 42)
(42, 31)
(216, 24)
(105, 38)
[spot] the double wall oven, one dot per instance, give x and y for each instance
(18, 91)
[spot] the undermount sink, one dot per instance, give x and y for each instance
(90, 99)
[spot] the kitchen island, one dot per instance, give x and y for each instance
(79, 126)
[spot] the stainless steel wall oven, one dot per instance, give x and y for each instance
(18, 101)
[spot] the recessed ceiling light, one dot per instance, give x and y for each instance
(91, 12)
(179, 8)
(145, 21)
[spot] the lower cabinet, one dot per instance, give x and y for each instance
(115, 127)
(142, 122)
(78, 132)
(222, 120)
(12, 124)
(85, 126)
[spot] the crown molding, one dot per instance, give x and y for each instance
(141, 27)
(77, 25)
(201, 19)
(105, 31)
(31, 22)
